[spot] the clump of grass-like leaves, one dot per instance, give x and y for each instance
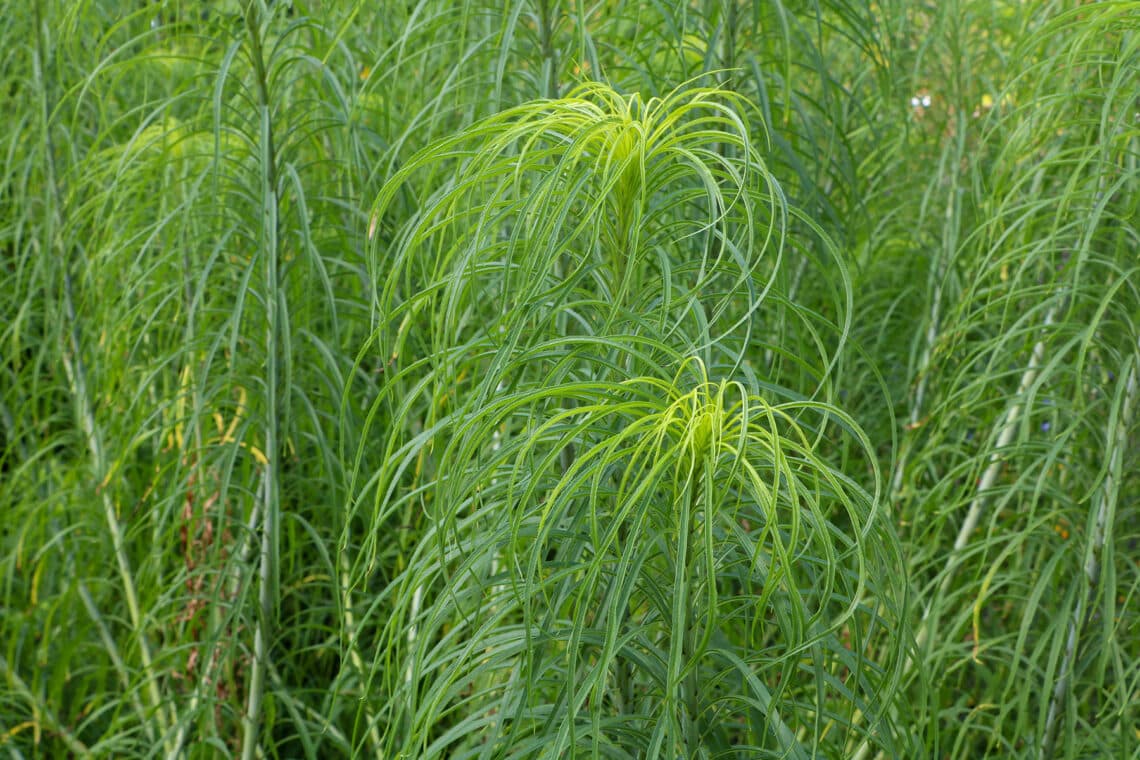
(697, 580)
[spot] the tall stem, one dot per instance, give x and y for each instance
(74, 369)
(690, 588)
(1006, 432)
(1106, 508)
(1006, 429)
(275, 312)
(546, 15)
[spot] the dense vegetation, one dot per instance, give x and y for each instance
(566, 378)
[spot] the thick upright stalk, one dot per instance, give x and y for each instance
(1106, 508)
(688, 589)
(275, 315)
(75, 370)
(546, 14)
(1006, 429)
(724, 33)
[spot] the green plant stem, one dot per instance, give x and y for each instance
(549, 55)
(1094, 548)
(624, 675)
(1007, 427)
(72, 360)
(73, 366)
(941, 266)
(275, 316)
(351, 633)
(116, 658)
(689, 589)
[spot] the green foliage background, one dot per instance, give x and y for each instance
(552, 378)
